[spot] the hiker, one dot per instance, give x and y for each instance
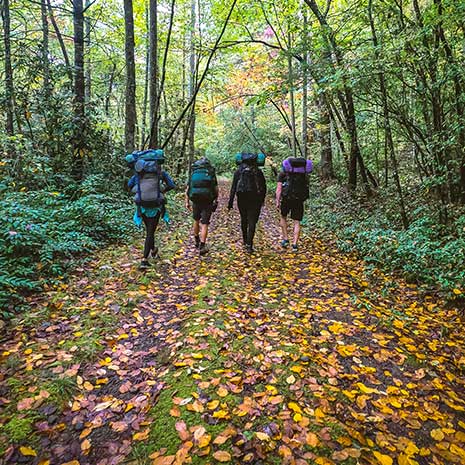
(202, 191)
(250, 186)
(149, 185)
(291, 193)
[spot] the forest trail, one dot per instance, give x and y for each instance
(264, 359)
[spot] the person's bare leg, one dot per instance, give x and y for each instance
(283, 223)
(196, 228)
(203, 233)
(296, 232)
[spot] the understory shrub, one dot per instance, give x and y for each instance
(425, 253)
(42, 231)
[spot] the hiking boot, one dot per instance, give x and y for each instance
(197, 242)
(203, 249)
(154, 253)
(144, 264)
(294, 248)
(249, 248)
(285, 243)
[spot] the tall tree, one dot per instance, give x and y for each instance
(153, 74)
(192, 82)
(130, 115)
(45, 47)
(79, 91)
(9, 83)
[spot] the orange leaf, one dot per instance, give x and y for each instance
(222, 456)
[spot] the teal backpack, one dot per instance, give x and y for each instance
(202, 182)
(243, 157)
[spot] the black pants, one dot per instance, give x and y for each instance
(250, 212)
(150, 228)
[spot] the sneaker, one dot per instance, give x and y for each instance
(294, 248)
(197, 242)
(284, 243)
(144, 264)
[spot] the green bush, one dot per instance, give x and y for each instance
(41, 231)
(425, 253)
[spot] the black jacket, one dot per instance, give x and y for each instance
(260, 197)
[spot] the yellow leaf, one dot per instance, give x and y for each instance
(365, 389)
(204, 441)
(382, 458)
(44, 462)
(73, 462)
(213, 404)
(262, 436)
(141, 436)
(457, 291)
(294, 407)
(222, 392)
(27, 451)
(437, 434)
(406, 460)
(456, 450)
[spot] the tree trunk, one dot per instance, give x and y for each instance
(347, 103)
(130, 116)
(146, 82)
(61, 42)
(389, 142)
(326, 164)
(192, 84)
(45, 48)
(153, 65)
(79, 91)
(9, 83)
(290, 70)
(305, 89)
(87, 52)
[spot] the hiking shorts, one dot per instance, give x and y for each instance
(202, 212)
(294, 207)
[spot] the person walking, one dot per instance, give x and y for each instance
(249, 186)
(292, 191)
(202, 191)
(149, 186)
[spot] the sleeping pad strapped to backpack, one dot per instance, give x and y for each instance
(295, 188)
(202, 182)
(146, 182)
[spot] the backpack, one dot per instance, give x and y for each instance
(296, 185)
(244, 157)
(202, 182)
(248, 179)
(145, 183)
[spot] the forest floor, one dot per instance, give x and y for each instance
(306, 358)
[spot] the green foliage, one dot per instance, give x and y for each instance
(426, 253)
(42, 231)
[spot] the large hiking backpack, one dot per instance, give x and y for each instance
(202, 182)
(248, 182)
(147, 179)
(295, 188)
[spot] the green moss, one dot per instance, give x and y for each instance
(18, 429)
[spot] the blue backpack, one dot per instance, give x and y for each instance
(145, 184)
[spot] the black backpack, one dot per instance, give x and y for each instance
(248, 179)
(296, 187)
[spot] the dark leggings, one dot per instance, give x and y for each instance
(250, 212)
(150, 228)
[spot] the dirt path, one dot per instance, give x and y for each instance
(264, 359)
